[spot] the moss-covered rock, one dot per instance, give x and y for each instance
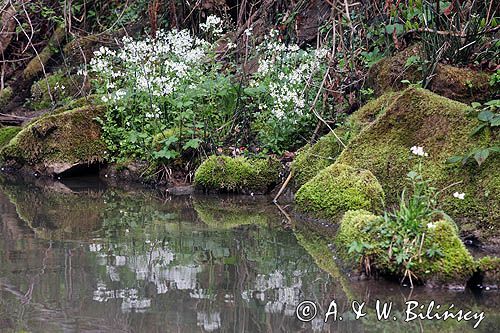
(452, 265)
(7, 133)
(56, 89)
(442, 127)
(239, 174)
(58, 142)
(312, 159)
(340, 188)
(461, 84)
(489, 269)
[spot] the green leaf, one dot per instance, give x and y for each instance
(495, 121)
(493, 102)
(193, 143)
(454, 159)
(481, 155)
(166, 153)
(477, 129)
(485, 115)
(168, 141)
(475, 105)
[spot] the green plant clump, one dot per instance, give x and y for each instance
(340, 188)
(239, 174)
(437, 259)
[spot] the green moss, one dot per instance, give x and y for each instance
(442, 127)
(240, 174)
(5, 96)
(55, 89)
(67, 137)
(352, 227)
(7, 133)
(461, 84)
(489, 268)
(455, 265)
(312, 159)
(340, 188)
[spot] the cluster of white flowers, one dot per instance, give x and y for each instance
(285, 71)
(212, 25)
(458, 195)
(419, 151)
(154, 66)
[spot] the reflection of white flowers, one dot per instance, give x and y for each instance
(460, 196)
(419, 151)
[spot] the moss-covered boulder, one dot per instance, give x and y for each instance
(58, 142)
(419, 117)
(461, 84)
(7, 133)
(239, 174)
(489, 270)
(56, 89)
(312, 159)
(340, 188)
(443, 259)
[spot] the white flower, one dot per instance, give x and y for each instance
(419, 151)
(213, 24)
(460, 196)
(431, 225)
(248, 32)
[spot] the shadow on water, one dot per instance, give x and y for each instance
(91, 258)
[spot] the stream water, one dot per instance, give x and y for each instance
(80, 258)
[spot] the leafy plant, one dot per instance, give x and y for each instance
(489, 118)
(166, 96)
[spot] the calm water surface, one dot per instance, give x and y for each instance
(76, 258)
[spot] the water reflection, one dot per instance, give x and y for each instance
(80, 259)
